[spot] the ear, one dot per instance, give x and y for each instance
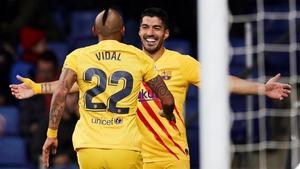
(139, 31)
(94, 31)
(167, 33)
(123, 31)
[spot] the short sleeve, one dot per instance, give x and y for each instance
(149, 68)
(191, 70)
(71, 62)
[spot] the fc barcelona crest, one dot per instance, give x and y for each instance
(166, 74)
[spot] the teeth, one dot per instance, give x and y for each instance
(150, 40)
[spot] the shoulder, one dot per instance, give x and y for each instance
(180, 57)
(80, 51)
(130, 48)
(76, 52)
(141, 55)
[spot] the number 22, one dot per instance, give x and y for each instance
(101, 87)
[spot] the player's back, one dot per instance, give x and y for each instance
(109, 75)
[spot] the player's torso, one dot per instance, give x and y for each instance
(163, 141)
(109, 82)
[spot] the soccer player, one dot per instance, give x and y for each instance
(164, 144)
(109, 76)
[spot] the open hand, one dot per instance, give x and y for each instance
(23, 90)
(277, 90)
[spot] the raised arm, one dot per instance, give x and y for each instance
(160, 89)
(66, 81)
(29, 88)
(272, 88)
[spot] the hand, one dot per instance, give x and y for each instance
(49, 145)
(277, 90)
(23, 90)
(169, 117)
(62, 159)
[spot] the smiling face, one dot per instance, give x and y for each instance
(153, 34)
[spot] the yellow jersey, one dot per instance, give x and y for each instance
(109, 76)
(162, 140)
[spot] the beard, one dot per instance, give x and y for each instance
(152, 49)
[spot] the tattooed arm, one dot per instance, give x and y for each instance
(160, 89)
(50, 87)
(66, 81)
(29, 88)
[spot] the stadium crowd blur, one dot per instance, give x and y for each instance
(35, 36)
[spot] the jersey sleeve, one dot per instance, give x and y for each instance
(149, 68)
(71, 62)
(191, 70)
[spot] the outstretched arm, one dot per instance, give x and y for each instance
(29, 88)
(272, 88)
(160, 89)
(66, 81)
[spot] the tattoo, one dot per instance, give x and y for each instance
(158, 86)
(46, 88)
(56, 114)
(66, 80)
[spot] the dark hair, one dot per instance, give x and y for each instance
(156, 12)
(107, 6)
(105, 15)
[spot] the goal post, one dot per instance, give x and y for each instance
(214, 118)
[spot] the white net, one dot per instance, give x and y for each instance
(265, 133)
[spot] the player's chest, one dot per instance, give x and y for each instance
(171, 73)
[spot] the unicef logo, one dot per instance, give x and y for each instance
(118, 120)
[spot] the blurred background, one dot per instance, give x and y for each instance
(36, 35)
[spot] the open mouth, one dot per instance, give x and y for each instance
(150, 41)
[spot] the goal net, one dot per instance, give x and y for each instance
(265, 40)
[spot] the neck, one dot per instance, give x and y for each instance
(156, 55)
(111, 37)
